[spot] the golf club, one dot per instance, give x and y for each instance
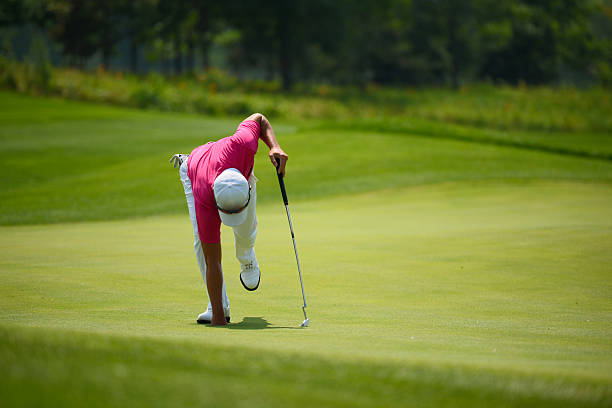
(281, 182)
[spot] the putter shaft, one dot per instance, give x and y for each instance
(297, 259)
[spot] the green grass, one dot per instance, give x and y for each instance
(461, 293)
(66, 161)
(588, 144)
(439, 271)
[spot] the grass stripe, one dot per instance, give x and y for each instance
(149, 372)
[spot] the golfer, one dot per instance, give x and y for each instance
(220, 187)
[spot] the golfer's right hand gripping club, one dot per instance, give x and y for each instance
(281, 182)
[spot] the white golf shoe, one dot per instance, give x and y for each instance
(206, 317)
(250, 275)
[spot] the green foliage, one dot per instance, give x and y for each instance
(38, 57)
(35, 74)
(534, 41)
(84, 27)
(30, 78)
(409, 42)
(217, 93)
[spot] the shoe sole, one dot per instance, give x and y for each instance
(227, 320)
(246, 287)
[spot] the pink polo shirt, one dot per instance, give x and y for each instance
(206, 162)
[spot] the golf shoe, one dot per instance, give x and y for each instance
(206, 317)
(249, 275)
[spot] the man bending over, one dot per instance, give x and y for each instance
(220, 187)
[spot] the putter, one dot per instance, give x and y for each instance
(281, 182)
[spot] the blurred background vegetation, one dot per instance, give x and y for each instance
(509, 64)
(277, 45)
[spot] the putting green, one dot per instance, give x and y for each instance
(501, 288)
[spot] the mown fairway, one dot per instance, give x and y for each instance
(439, 271)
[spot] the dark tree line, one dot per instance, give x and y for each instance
(338, 41)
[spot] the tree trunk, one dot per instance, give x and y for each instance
(178, 61)
(106, 58)
(133, 56)
(285, 66)
(205, 57)
(165, 65)
(107, 41)
(285, 46)
(452, 46)
(190, 55)
(203, 27)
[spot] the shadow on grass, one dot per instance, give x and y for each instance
(255, 323)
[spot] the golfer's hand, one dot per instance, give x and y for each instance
(277, 153)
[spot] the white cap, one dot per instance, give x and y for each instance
(232, 193)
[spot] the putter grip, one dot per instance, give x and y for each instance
(281, 182)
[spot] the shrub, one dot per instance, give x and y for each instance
(25, 77)
(218, 93)
(145, 97)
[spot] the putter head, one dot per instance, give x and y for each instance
(305, 323)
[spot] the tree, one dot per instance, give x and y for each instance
(276, 35)
(17, 12)
(532, 41)
(84, 27)
(443, 36)
(209, 19)
(138, 18)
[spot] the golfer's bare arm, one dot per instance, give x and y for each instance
(267, 135)
(214, 281)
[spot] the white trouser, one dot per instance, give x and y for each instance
(244, 234)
